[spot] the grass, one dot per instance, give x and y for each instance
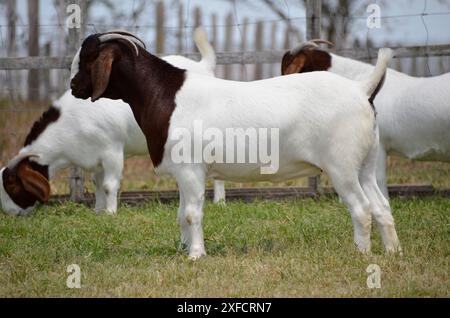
(264, 249)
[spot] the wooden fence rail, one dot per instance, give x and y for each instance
(229, 58)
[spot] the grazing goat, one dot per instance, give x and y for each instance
(94, 137)
(324, 121)
(413, 114)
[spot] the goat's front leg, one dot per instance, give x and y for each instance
(219, 191)
(191, 182)
(100, 195)
(113, 168)
(184, 226)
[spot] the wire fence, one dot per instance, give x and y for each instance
(247, 49)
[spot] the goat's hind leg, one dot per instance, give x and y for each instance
(381, 210)
(352, 195)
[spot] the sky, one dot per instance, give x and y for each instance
(396, 28)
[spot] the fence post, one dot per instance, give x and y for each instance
(228, 43)
(313, 24)
(313, 17)
(33, 48)
(259, 34)
(160, 27)
(244, 27)
(76, 175)
(12, 78)
(180, 32)
(46, 74)
(273, 47)
(214, 31)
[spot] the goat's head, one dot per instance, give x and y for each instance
(92, 66)
(22, 186)
(306, 57)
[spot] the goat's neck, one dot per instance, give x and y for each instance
(150, 90)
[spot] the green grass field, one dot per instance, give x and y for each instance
(280, 249)
(293, 248)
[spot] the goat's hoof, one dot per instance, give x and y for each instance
(111, 212)
(220, 202)
(365, 250)
(195, 255)
(394, 250)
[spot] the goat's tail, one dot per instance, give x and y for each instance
(205, 48)
(373, 83)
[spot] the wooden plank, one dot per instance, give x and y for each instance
(243, 33)
(251, 194)
(76, 34)
(213, 38)
(76, 175)
(259, 44)
(12, 78)
(313, 18)
(46, 79)
(226, 58)
(273, 46)
(76, 184)
(33, 49)
(35, 62)
(313, 28)
(228, 43)
(11, 16)
(160, 34)
(180, 32)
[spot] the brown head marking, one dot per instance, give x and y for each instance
(307, 57)
(148, 84)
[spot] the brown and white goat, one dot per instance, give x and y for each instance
(322, 121)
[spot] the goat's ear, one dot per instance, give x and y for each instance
(34, 182)
(292, 63)
(306, 61)
(101, 70)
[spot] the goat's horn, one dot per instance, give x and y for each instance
(135, 39)
(310, 44)
(115, 36)
(302, 46)
(321, 41)
(14, 162)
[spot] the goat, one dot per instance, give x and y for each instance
(413, 114)
(94, 137)
(324, 122)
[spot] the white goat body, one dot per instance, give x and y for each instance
(325, 122)
(413, 114)
(97, 136)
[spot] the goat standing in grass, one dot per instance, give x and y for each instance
(325, 122)
(413, 113)
(94, 136)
